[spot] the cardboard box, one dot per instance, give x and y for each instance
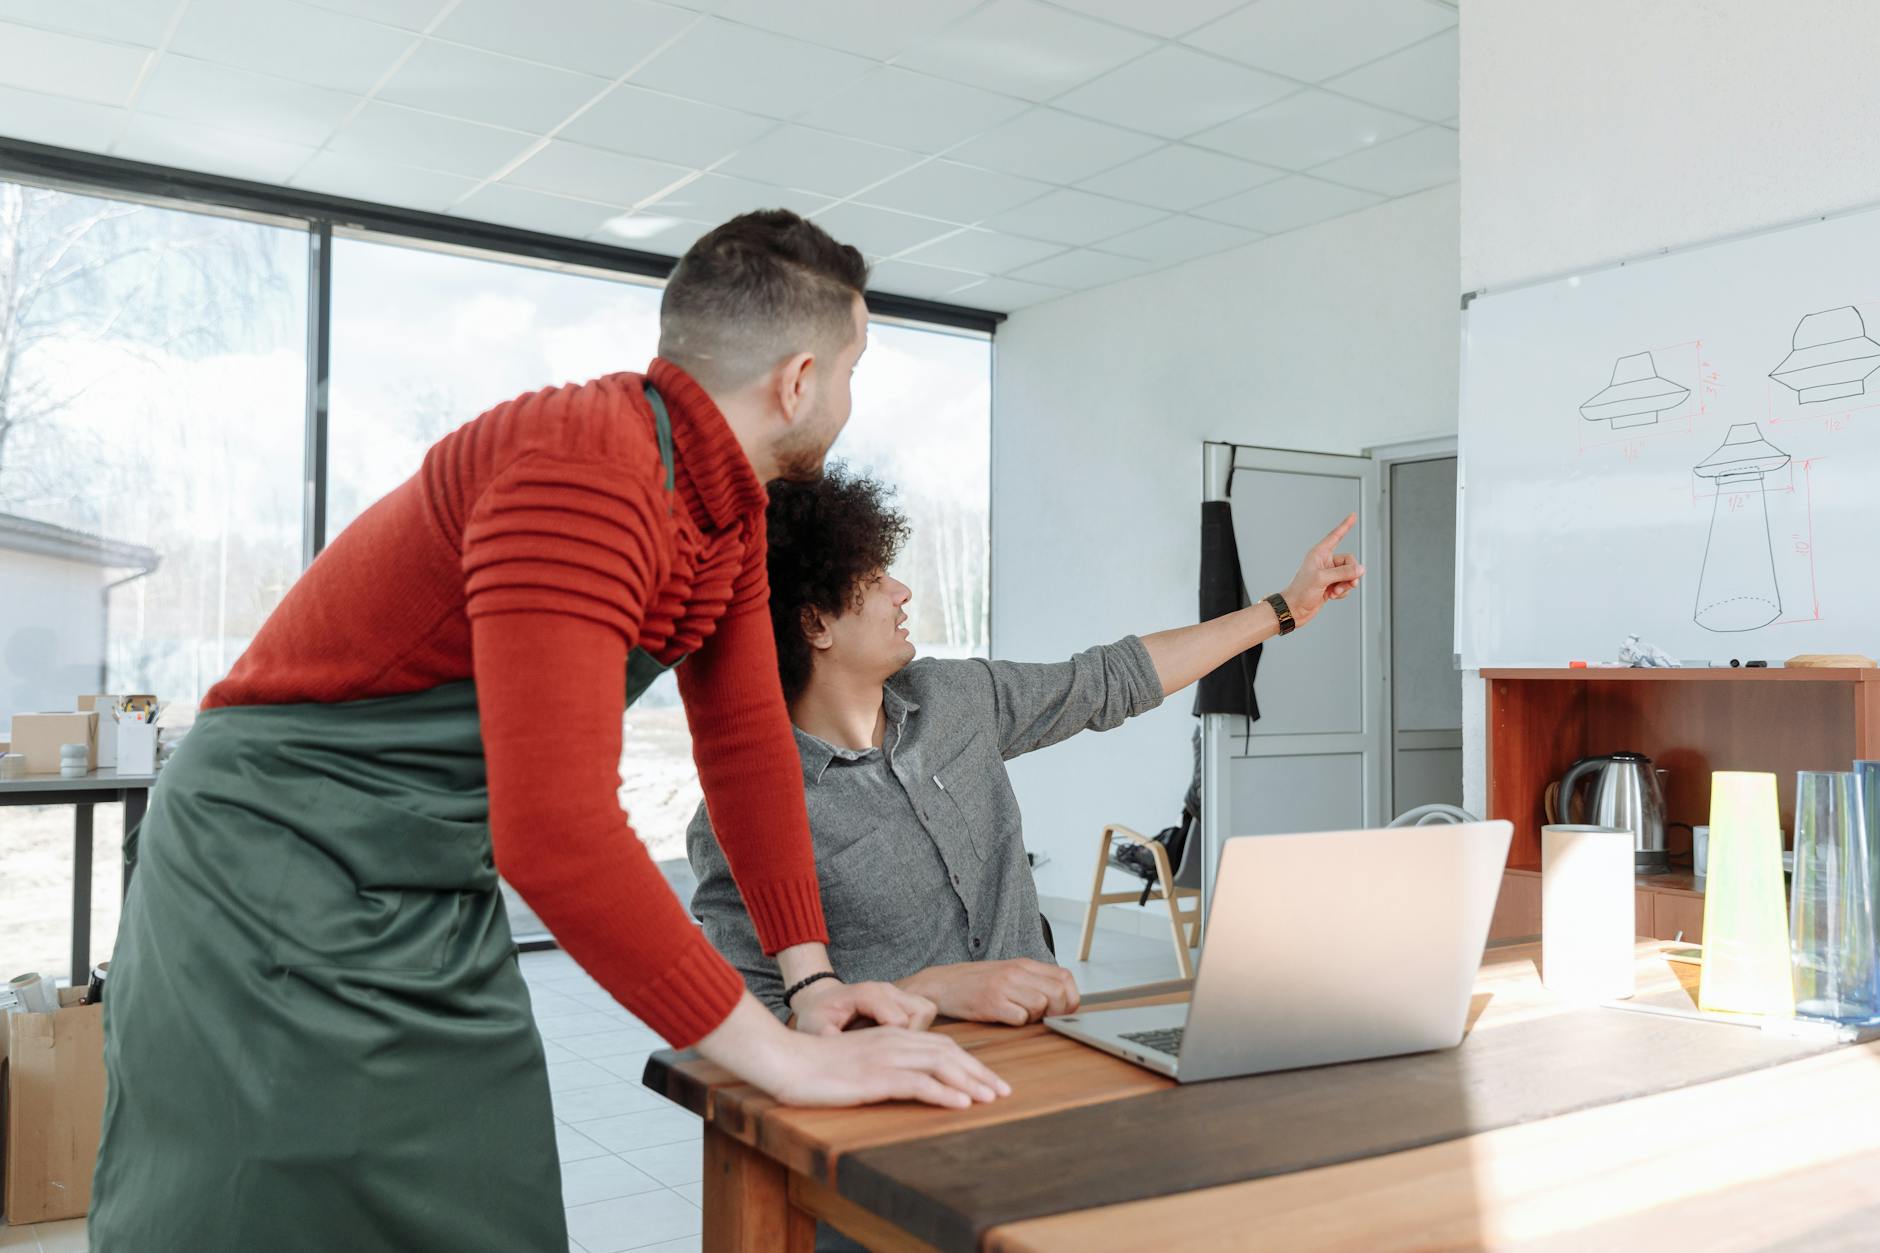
(40, 736)
(52, 1081)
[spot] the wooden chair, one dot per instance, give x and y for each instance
(1179, 885)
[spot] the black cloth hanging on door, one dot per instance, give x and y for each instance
(1229, 688)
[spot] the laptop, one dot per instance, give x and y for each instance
(1321, 948)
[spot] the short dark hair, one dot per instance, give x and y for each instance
(827, 538)
(754, 291)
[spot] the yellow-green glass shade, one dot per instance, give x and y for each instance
(1746, 923)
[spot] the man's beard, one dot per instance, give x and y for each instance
(801, 453)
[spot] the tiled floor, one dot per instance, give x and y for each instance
(631, 1162)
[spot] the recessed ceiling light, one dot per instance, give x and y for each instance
(635, 226)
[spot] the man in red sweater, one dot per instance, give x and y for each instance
(318, 1037)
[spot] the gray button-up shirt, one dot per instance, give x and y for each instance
(919, 848)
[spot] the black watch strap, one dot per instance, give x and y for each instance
(1283, 613)
(790, 992)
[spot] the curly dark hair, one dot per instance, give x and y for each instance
(827, 538)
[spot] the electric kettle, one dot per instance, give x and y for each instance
(1625, 795)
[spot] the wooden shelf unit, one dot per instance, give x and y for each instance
(1690, 723)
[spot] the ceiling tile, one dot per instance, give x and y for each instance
(590, 174)
(1003, 295)
(651, 232)
(386, 132)
(1025, 48)
(795, 156)
(879, 232)
(925, 282)
(1167, 18)
(983, 252)
(1421, 159)
(1175, 92)
(140, 22)
(292, 41)
(1315, 39)
(484, 87)
(867, 28)
(43, 119)
(381, 182)
(1422, 80)
(1056, 147)
(1289, 203)
(404, 14)
(66, 65)
(232, 99)
(714, 198)
(604, 37)
(651, 124)
(1179, 239)
(909, 110)
(1082, 267)
(1304, 130)
(187, 146)
(1074, 217)
(534, 211)
(1180, 177)
(723, 63)
(959, 193)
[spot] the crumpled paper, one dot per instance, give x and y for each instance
(1638, 654)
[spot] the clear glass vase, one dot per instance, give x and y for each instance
(1831, 903)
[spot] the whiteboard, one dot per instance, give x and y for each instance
(1686, 447)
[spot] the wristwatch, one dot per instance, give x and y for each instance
(1284, 614)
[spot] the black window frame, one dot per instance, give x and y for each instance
(321, 216)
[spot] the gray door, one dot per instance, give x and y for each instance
(1315, 759)
(1423, 688)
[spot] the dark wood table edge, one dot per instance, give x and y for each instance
(862, 1184)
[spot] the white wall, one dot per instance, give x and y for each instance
(1604, 129)
(1329, 339)
(51, 632)
(1607, 129)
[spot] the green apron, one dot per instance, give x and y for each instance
(317, 1036)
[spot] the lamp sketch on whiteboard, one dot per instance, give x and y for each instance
(1636, 395)
(1832, 357)
(1736, 590)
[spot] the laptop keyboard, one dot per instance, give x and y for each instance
(1168, 1040)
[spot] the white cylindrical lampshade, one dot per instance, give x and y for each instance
(1587, 914)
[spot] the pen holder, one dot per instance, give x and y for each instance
(137, 747)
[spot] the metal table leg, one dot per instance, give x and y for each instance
(81, 893)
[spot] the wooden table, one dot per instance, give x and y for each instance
(1591, 1128)
(83, 793)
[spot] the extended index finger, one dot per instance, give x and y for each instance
(1339, 532)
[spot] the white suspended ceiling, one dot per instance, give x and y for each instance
(989, 153)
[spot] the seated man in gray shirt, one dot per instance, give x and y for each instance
(916, 830)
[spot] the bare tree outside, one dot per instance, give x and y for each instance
(151, 397)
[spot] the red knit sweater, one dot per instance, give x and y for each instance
(535, 547)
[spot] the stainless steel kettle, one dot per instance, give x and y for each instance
(1625, 795)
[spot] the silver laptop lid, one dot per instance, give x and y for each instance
(1339, 945)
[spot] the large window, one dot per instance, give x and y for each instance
(152, 437)
(152, 380)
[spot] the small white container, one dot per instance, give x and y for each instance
(74, 760)
(137, 747)
(1588, 916)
